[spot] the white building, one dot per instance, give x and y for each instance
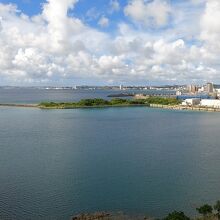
(191, 102)
(202, 89)
(211, 103)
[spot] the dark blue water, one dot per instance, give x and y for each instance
(55, 163)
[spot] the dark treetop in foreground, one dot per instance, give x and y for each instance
(206, 211)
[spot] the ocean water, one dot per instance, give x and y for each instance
(35, 96)
(57, 163)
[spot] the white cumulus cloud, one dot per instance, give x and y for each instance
(103, 21)
(155, 13)
(52, 46)
(114, 5)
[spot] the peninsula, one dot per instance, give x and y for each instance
(151, 102)
(116, 102)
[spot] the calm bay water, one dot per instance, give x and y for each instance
(35, 96)
(55, 163)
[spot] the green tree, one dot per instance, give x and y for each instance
(205, 210)
(217, 208)
(177, 216)
(162, 101)
(92, 102)
(117, 101)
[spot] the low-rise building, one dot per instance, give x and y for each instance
(191, 102)
(211, 103)
(141, 96)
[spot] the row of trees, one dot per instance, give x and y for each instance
(163, 101)
(93, 102)
(207, 211)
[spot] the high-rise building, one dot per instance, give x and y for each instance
(209, 88)
(121, 87)
(192, 88)
(178, 92)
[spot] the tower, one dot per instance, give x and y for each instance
(209, 88)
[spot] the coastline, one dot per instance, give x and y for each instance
(98, 106)
(75, 107)
(187, 108)
(169, 107)
(110, 216)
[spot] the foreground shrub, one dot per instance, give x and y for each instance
(177, 216)
(205, 210)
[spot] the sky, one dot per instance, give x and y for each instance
(109, 42)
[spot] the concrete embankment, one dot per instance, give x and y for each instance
(180, 107)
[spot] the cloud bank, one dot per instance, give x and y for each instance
(155, 41)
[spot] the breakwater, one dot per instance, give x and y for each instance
(19, 105)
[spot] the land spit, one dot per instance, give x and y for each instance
(170, 107)
(19, 105)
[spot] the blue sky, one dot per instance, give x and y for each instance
(109, 41)
(30, 7)
(90, 11)
(99, 7)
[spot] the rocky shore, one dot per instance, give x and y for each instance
(108, 216)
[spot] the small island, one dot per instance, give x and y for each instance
(116, 102)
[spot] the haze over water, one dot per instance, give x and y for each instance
(55, 163)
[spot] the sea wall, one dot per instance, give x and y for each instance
(181, 107)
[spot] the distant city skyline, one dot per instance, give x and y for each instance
(109, 42)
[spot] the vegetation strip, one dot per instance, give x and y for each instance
(153, 102)
(110, 103)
